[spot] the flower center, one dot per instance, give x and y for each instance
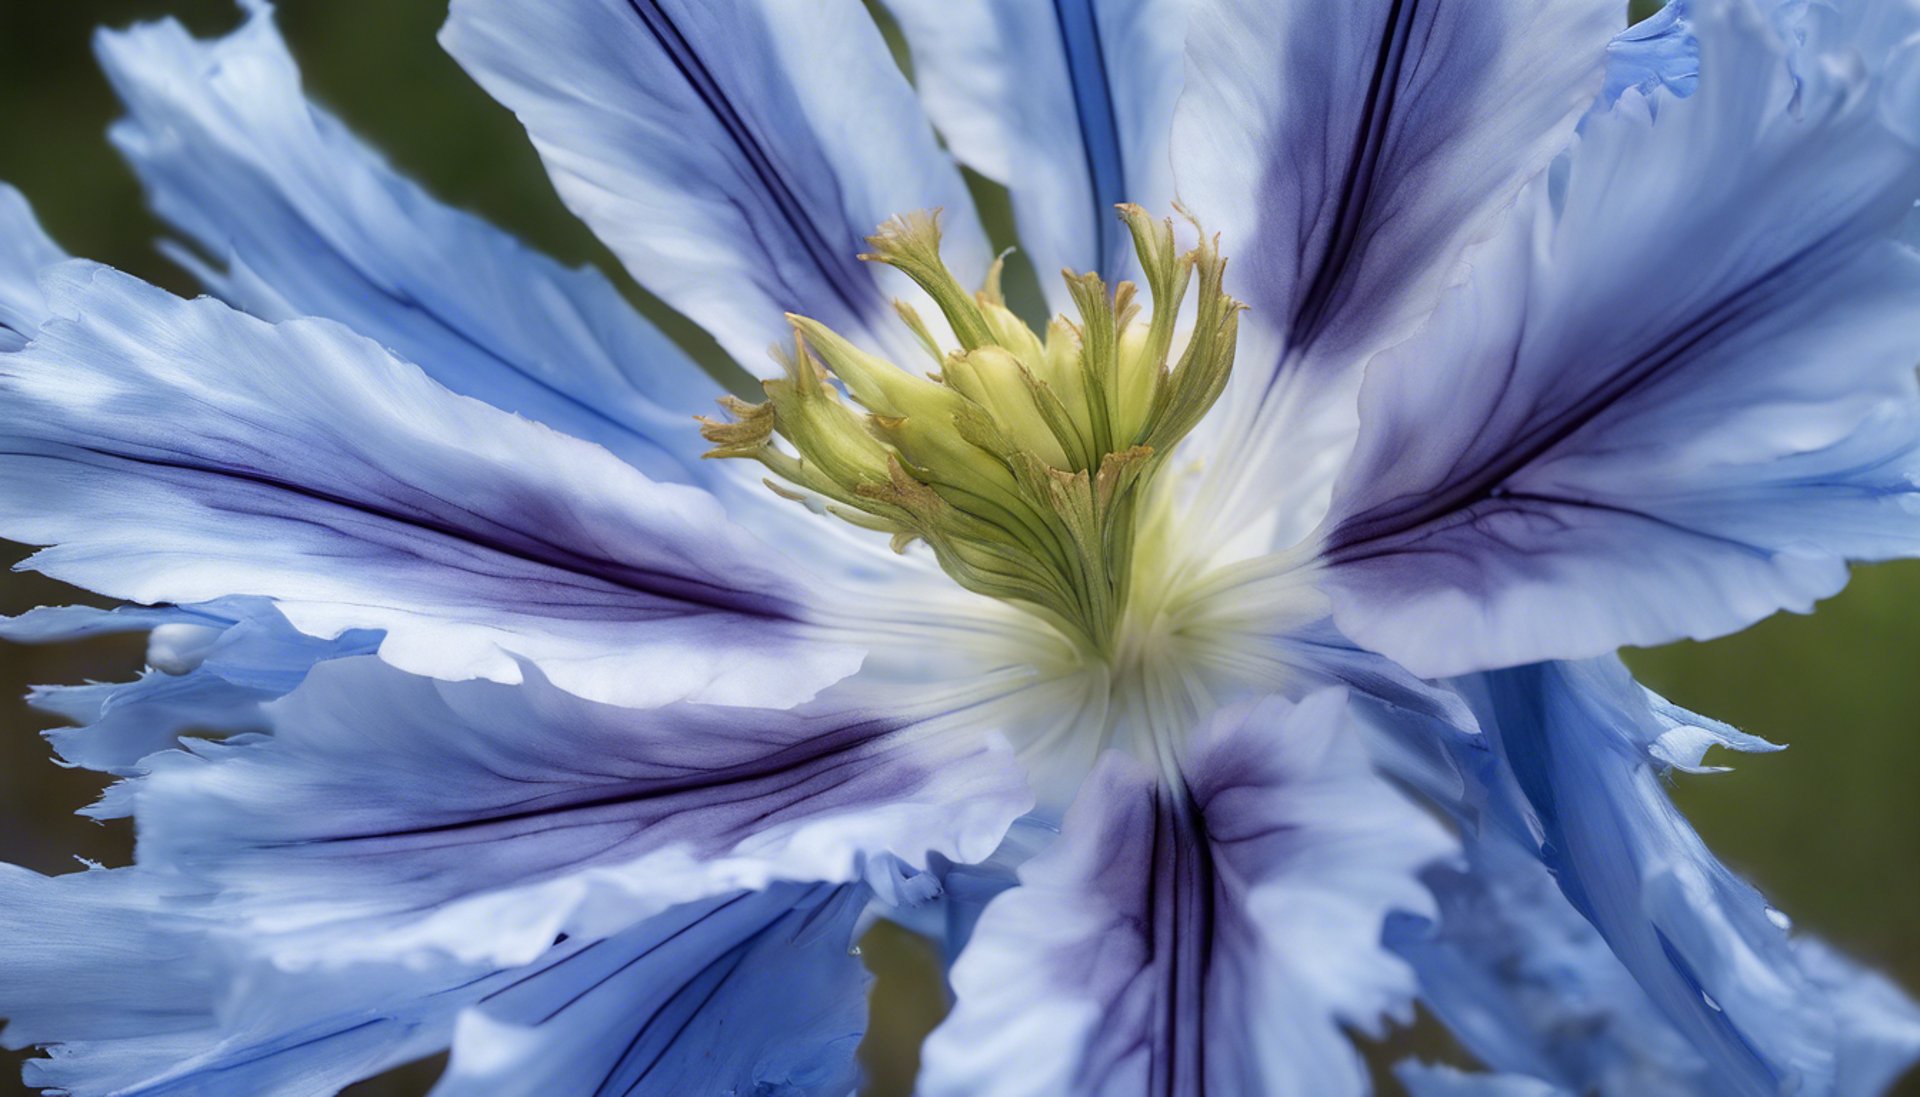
(1025, 461)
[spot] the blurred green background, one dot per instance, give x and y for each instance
(1829, 829)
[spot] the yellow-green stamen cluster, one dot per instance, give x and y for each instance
(1023, 462)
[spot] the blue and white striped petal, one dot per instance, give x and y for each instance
(303, 219)
(136, 988)
(389, 815)
(761, 992)
(713, 146)
(1211, 931)
(180, 451)
(1624, 430)
(1349, 153)
(1068, 103)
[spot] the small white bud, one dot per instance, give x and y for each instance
(179, 648)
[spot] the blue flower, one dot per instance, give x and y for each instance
(1212, 678)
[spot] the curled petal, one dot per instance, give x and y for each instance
(1532, 989)
(1535, 991)
(1659, 52)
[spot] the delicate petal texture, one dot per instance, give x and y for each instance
(209, 669)
(1408, 723)
(25, 250)
(126, 983)
(139, 990)
(758, 993)
(119, 723)
(389, 813)
(181, 451)
(1628, 430)
(62, 624)
(1347, 153)
(1351, 150)
(1066, 102)
(77, 939)
(1570, 745)
(734, 154)
(1658, 52)
(1689, 736)
(1215, 943)
(472, 721)
(949, 916)
(311, 222)
(1531, 988)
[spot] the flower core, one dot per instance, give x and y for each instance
(1025, 462)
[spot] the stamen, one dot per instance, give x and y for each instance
(1024, 462)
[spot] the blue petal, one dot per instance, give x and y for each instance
(137, 988)
(1532, 989)
(133, 992)
(1412, 726)
(60, 624)
(709, 145)
(93, 952)
(947, 906)
(1878, 1024)
(1068, 103)
(759, 993)
(1429, 1080)
(1572, 741)
(1658, 53)
(1678, 393)
(309, 221)
(1348, 153)
(25, 250)
(119, 723)
(1688, 736)
(389, 814)
(179, 451)
(209, 669)
(1215, 938)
